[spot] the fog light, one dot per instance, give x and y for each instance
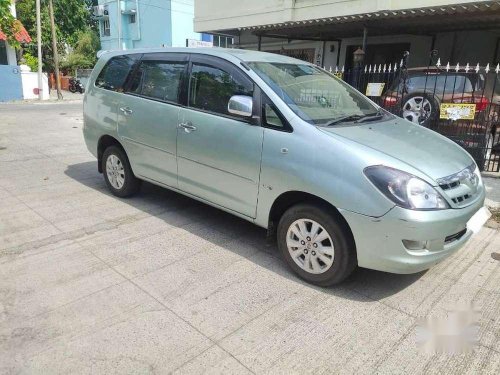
(415, 245)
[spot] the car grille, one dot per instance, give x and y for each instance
(462, 187)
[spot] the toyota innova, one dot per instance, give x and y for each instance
(288, 146)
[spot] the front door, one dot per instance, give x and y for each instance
(219, 154)
(149, 114)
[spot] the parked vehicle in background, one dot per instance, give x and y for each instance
(418, 96)
(284, 144)
(75, 85)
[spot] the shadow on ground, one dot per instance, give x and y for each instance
(162, 203)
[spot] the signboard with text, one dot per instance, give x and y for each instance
(193, 43)
(375, 88)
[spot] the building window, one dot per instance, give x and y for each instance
(3, 53)
(105, 28)
(131, 18)
(223, 41)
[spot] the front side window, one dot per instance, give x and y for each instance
(272, 118)
(115, 73)
(210, 88)
(158, 80)
(314, 95)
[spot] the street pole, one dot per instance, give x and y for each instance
(54, 50)
(39, 46)
(119, 24)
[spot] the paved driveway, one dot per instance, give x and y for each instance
(94, 284)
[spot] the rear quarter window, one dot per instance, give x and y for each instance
(114, 74)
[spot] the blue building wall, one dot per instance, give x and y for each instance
(11, 87)
(157, 23)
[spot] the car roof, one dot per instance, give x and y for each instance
(225, 53)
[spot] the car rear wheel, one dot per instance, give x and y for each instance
(117, 173)
(316, 244)
(421, 109)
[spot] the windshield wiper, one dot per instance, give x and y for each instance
(372, 116)
(358, 118)
(344, 119)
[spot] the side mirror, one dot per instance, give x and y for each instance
(240, 105)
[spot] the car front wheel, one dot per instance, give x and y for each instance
(316, 244)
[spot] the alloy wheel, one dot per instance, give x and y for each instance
(115, 172)
(310, 246)
(417, 109)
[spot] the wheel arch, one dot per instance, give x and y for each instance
(290, 198)
(104, 142)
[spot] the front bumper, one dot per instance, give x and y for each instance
(379, 241)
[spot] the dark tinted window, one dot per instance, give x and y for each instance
(450, 84)
(114, 74)
(211, 88)
(158, 80)
(443, 83)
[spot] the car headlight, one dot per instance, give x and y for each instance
(404, 189)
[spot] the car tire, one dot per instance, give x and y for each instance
(118, 175)
(421, 109)
(327, 257)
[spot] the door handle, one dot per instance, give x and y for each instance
(187, 126)
(126, 111)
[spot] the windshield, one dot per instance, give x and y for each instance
(314, 95)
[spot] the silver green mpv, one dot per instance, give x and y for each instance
(288, 146)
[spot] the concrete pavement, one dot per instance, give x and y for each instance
(492, 183)
(160, 283)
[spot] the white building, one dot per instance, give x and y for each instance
(7, 53)
(327, 32)
(17, 82)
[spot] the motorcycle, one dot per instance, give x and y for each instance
(75, 85)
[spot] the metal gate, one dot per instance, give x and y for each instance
(462, 102)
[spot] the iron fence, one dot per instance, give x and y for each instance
(462, 102)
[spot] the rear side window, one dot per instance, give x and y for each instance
(115, 73)
(158, 80)
(443, 83)
(210, 88)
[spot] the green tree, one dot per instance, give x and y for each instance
(84, 54)
(8, 23)
(72, 17)
(31, 61)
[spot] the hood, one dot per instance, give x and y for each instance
(421, 148)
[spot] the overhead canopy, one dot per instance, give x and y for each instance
(21, 34)
(425, 21)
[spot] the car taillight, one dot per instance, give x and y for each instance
(481, 102)
(390, 101)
